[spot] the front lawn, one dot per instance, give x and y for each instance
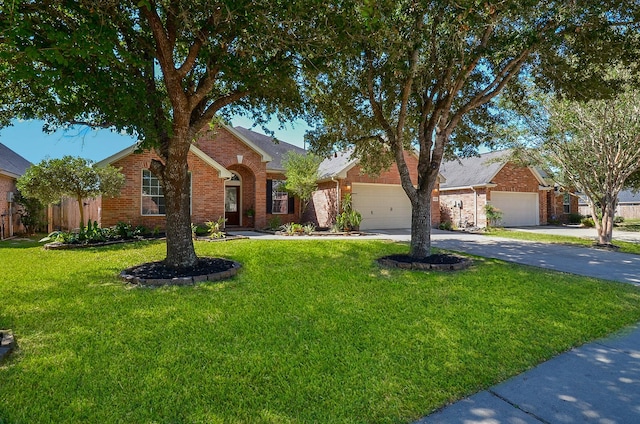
(309, 331)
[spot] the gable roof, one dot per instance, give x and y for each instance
(478, 171)
(336, 166)
(222, 171)
(274, 149)
(625, 196)
(12, 164)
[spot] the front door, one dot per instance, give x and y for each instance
(232, 205)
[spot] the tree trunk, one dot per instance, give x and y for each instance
(81, 206)
(180, 250)
(421, 224)
(605, 232)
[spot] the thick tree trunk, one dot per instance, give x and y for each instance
(180, 250)
(81, 206)
(421, 225)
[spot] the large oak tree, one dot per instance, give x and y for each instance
(423, 74)
(158, 69)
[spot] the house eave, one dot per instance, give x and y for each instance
(469, 187)
(9, 174)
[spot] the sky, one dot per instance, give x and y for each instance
(27, 139)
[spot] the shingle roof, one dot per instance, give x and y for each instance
(473, 171)
(628, 196)
(333, 166)
(11, 162)
(275, 149)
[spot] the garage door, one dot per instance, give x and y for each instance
(382, 206)
(518, 209)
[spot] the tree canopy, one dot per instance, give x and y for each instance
(52, 179)
(423, 75)
(159, 69)
(301, 171)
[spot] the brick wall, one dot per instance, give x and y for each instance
(224, 148)
(472, 212)
(323, 207)
(555, 207)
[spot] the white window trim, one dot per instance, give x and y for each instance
(273, 197)
(142, 195)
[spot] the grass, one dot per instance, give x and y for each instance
(629, 225)
(309, 331)
(624, 246)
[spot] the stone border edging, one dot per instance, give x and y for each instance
(7, 343)
(181, 281)
(421, 266)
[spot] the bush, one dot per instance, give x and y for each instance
(292, 229)
(274, 223)
(588, 222)
(618, 220)
(494, 215)
(574, 218)
(446, 225)
(216, 228)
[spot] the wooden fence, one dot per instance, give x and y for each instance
(66, 214)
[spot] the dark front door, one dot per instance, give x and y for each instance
(232, 205)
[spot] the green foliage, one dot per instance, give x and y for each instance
(301, 171)
(274, 222)
(216, 228)
(308, 228)
(349, 219)
(292, 229)
(493, 214)
(446, 225)
(124, 230)
(574, 218)
(587, 222)
(32, 213)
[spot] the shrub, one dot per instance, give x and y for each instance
(574, 218)
(292, 228)
(618, 220)
(274, 223)
(446, 225)
(216, 228)
(494, 215)
(308, 228)
(588, 222)
(350, 219)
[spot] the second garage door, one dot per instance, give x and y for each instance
(383, 206)
(518, 209)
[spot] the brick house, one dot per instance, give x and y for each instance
(235, 173)
(521, 193)
(12, 166)
(381, 200)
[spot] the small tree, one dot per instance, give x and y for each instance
(52, 179)
(31, 211)
(301, 171)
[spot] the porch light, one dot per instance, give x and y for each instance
(240, 157)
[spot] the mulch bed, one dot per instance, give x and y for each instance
(159, 274)
(438, 262)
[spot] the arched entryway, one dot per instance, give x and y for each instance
(233, 200)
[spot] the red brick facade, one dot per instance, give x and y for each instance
(510, 178)
(324, 204)
(207, 187)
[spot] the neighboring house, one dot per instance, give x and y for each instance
(521, 193)
(381, 200)
(235, 173)
(12, 166)
(628, 205)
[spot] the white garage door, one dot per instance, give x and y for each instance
(518, 209)
(383, 206)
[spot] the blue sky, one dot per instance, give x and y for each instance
(27, 139)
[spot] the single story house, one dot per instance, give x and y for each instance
(12, 166)
(521, 193)
(628, 205)
(235, 173)
(381, 199)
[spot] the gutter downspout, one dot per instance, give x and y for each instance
(475, 206)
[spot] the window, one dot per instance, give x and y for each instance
(278, 200)
(153, 196)
(566, 203)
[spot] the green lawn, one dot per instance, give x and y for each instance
(624, 246)
(629, 225)
(309, 331)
